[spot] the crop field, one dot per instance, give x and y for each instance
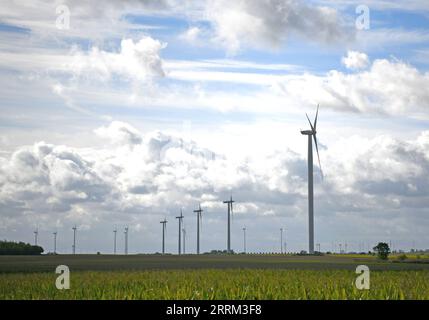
(210, 277)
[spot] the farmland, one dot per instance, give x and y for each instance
(210, 277)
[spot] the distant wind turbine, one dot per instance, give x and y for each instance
(126, 239)
(229, 202)
(55, 241)
(244, 239)
(311, 135)
(199, 219)
(74, 239)
(180, 232)
(36, 234)
(164, 227)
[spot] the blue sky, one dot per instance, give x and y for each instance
(193, 102)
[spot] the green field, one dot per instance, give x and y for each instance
(210, 277)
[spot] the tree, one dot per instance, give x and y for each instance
(383, 250)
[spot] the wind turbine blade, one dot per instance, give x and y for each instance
(309, 122)
(315, 119)
(318, 158)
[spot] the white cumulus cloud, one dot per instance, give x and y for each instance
(355, 60)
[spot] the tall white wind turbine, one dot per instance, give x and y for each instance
(311, 135)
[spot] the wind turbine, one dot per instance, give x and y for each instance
(311, 135)
(244, 239)
(164, 227)
(229, 202)
(281, 240)
(55, 241)
(126, 239)
(114, 240)
(36, 234)
(74, 239)
(180, 231)
(199, 218)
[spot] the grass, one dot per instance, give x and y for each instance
(217, 284)
(210, 277)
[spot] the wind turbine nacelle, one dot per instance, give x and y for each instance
(308, 132)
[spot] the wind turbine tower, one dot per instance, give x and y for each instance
(311, 135)
(281, 240)
(114, 240)
(74, 239)
(180, 231)
(36, 234)
(126, 239)
(244, 239)
(229, 202)
(164, 228)
(55, 242)
(199, 219)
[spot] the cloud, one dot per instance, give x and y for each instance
(266, 24)
(373, 176)
(389, 39)
(139, 61)
(384, 87)
(120, 133)
(159, 173)
(89, 20)
(389, 87)
(381, 166)
(355, 60)
(191, 35)
(234, 24)
(412, 5)
(47, 178)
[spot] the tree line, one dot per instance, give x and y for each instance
(19, 248)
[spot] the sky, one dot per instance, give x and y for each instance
(122, 113)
